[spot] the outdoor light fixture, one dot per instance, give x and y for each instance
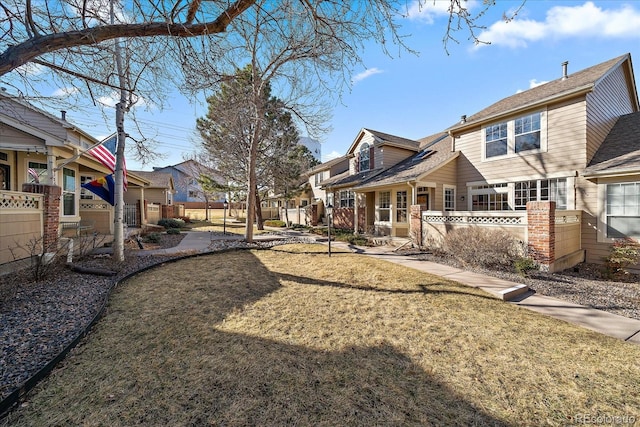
(225, 205)
(329, 212)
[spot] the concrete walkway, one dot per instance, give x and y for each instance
(606, 323)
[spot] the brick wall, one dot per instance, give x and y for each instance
(415, 224)
(52, 195)
(343, 218)
(541, 219)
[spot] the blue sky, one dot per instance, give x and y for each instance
(415, 96)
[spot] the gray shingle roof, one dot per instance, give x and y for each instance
(620, 151)
(395, 140)
(434, 153)
(556, 88)
(326, 165)
(156, 179)
(346, 180)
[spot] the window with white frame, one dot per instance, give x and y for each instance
(319, 177)
(84, 193)
(495, 140)
(623, 210)
(521, 135)
(540, 190)
(346, 199)
(384, 206)
(527, 133)
(68, 192)
(364, 158)
(449, 201)
(401, 206)
(490, 197)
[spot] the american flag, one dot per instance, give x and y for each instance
(106, 154)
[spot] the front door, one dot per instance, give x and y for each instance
(423, 201)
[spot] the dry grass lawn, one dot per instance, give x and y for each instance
(289, 336)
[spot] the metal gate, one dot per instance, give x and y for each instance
(131, 216)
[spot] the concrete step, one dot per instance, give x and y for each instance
(513, 292)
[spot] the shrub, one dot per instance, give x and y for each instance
(152, 237)
(482, 246)
(171, 223)
(275, 223)
(525, 265)
(173, 231)
(623, 253)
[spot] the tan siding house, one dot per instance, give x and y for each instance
(56, 152)
(574, 141)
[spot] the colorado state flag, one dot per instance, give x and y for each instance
(103, 188)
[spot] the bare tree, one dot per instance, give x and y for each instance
(307, 47)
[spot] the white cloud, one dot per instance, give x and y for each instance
(427, 11)
(114, 98)
(332, 155)
(533, 83)
(366, 73)
(65, 91)
(586, 20)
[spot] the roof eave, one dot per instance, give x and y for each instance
(612, 174)
(544, 101)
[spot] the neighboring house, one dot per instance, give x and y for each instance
(371, 153)
(574, 141)
(317, 196)
(35, 144)
(185, 178)
(158, 196)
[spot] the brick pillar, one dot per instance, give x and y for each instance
(415, 224)
(541, 228)
(314, 215)
(52, 195)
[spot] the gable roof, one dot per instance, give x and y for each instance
(619, 154)
(435, 153)
(381, 138)
(346, 180)
(580, 82)
(326, 165)
(156, 179)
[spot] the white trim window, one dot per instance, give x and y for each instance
(84, 193)
(346, 199)
(401, 206)
(384, 206)
(490, 197)
(520, 136)
(68, 192)
(540, 190)
(623, 210)
(364, 160)
(449, 198)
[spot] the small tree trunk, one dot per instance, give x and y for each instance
(259, 219)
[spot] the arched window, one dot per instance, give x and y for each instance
(364, 157)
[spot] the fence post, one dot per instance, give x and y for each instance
(541, 229)
(51, 221)
(415, 224)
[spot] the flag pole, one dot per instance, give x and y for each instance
(75, 157)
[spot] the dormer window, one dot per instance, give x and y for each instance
(365, 164)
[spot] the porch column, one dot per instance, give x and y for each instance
(415, 224)
(51, 220)
(355, 212)
(541, 229)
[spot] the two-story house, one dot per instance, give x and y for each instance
(574, 141)
(371, 153)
